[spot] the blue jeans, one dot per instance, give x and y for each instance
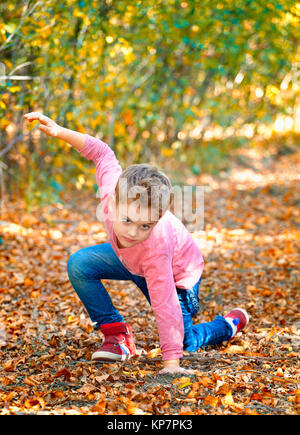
(88, 266)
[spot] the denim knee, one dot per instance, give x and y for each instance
(73, 264)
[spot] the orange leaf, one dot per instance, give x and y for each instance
(10, 396)
(237, 407)
(256, 396)
(9, 366)
(57, 394)
(30, 381)
(63, 372)
(206, 381)
(28, 281)
(133, 410)
(100, 407)
(54, 341)
(211, 400)
(233, 349)
(249, 411)
(224, 389)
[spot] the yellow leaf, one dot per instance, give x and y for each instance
(153, 353)
(71, 319)
(167, 152)
(14, 89)
(227, 400)
(183, 382)
(78, 13)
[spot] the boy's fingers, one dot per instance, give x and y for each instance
(33, 116)
(44, 128)
(51, 131)
(43, 119)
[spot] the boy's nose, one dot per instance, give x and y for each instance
(132, 233)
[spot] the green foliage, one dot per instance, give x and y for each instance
(40, 188)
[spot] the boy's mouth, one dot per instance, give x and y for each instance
(128, 240)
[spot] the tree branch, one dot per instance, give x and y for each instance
(23, 17)
(11, 144)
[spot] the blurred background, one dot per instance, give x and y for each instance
(180, 84)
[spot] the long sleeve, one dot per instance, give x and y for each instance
(165, 305)
(108, 168)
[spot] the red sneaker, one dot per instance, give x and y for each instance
(238, 319)
(118, 343)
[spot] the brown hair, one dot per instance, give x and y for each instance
(145, 183)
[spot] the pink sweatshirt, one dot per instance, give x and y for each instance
(167, 259)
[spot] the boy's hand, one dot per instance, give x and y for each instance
(74, 138)
(47, 125)
(172, 367)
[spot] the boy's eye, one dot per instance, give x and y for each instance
(127, 221)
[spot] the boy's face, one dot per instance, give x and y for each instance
(132, 225)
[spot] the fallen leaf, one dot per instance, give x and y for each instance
(30, 380)
(206, 381)
(250, 411)
(99, 407)
(9, 366)
(211, 400)
(134, 410)
(223, 388)
(87, 388)
(63, 372)
(182, 382)
(234, 349)
(227, 400)
(154, 353)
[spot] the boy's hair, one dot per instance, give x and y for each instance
(145, 183)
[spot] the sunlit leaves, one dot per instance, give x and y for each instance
(46, 338)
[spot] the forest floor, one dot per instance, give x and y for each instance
(250, 244)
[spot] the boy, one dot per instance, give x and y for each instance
(148, 245)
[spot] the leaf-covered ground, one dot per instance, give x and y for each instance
(250, 244)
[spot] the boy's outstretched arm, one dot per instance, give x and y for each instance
(48, 126)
